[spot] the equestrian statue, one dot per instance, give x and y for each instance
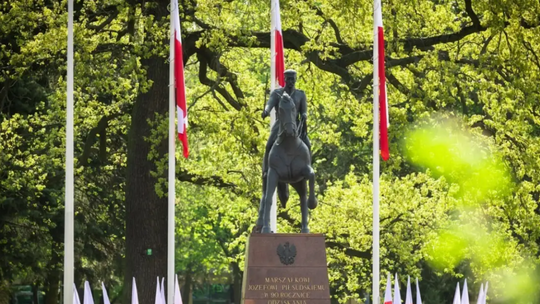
(287, 157)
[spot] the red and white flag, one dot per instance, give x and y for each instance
(276, 48)
(457, 297)
(388, 291)
(397, 293)
(177, 296)
(408, 295)
(480, 295)
(378, 58)
(134, 293)
(88, 298)
(76, 299)
(162, 291)
(105, 295)
(159, 298)
(418, 296)
(465, 294)
(178, 61)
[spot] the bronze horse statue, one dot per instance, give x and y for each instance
(289, 162)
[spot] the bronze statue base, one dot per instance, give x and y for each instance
(285, 269)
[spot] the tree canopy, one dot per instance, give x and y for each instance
(459, 195)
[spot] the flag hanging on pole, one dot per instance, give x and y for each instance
(105, 295)
(176, 81)
(277, 79)
(457, 299)
(465, 294)
(379, 65)
(377, 136)
(134, 293)
(276, 46)
(88, 298)
(76, 299)
(158, 299)
(397, 294)
(418, 297)
(162, 292)
(178, 61)
(177, 296)
(388, 291)
(408, 295)
(480, 295)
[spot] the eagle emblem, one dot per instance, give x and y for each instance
(286, 253)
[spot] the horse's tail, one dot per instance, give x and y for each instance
(283, 193)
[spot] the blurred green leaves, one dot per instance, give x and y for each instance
(469, 201)
(460, 156)
(470, 161)
(521, 284)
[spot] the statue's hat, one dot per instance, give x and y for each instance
(290, 71)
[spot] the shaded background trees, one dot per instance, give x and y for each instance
(475, 63)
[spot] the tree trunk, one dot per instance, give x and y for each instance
(186, 293)
(35, 295)
(146, 213)
(54, 274)
(237, 283)
(53, 284)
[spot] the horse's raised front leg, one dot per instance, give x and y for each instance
(301, 189)
(271, 183)
(310, 176)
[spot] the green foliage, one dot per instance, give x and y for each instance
(468, 68)
(447, 151)
(32, 142)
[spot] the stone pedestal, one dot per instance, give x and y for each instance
(285, 269)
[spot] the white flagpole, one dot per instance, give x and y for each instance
(69, 197)
(273, 7)
(376, 160)
(172, 166)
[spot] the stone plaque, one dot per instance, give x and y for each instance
(285, 269)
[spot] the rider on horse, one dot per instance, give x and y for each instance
(287, 159)
(300, 101)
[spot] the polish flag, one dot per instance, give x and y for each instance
(465, 294)
(378, 64)
(162, 291)
(397, 294)
(76, 299)
(159, 298)
(408, 295)
(88, 298)
(178, 62)
(177, 296)
(457, 298)
(134, 293)
(388, 291)
(418, 296)
(105, 295)
(276, 48)
(480, 295)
